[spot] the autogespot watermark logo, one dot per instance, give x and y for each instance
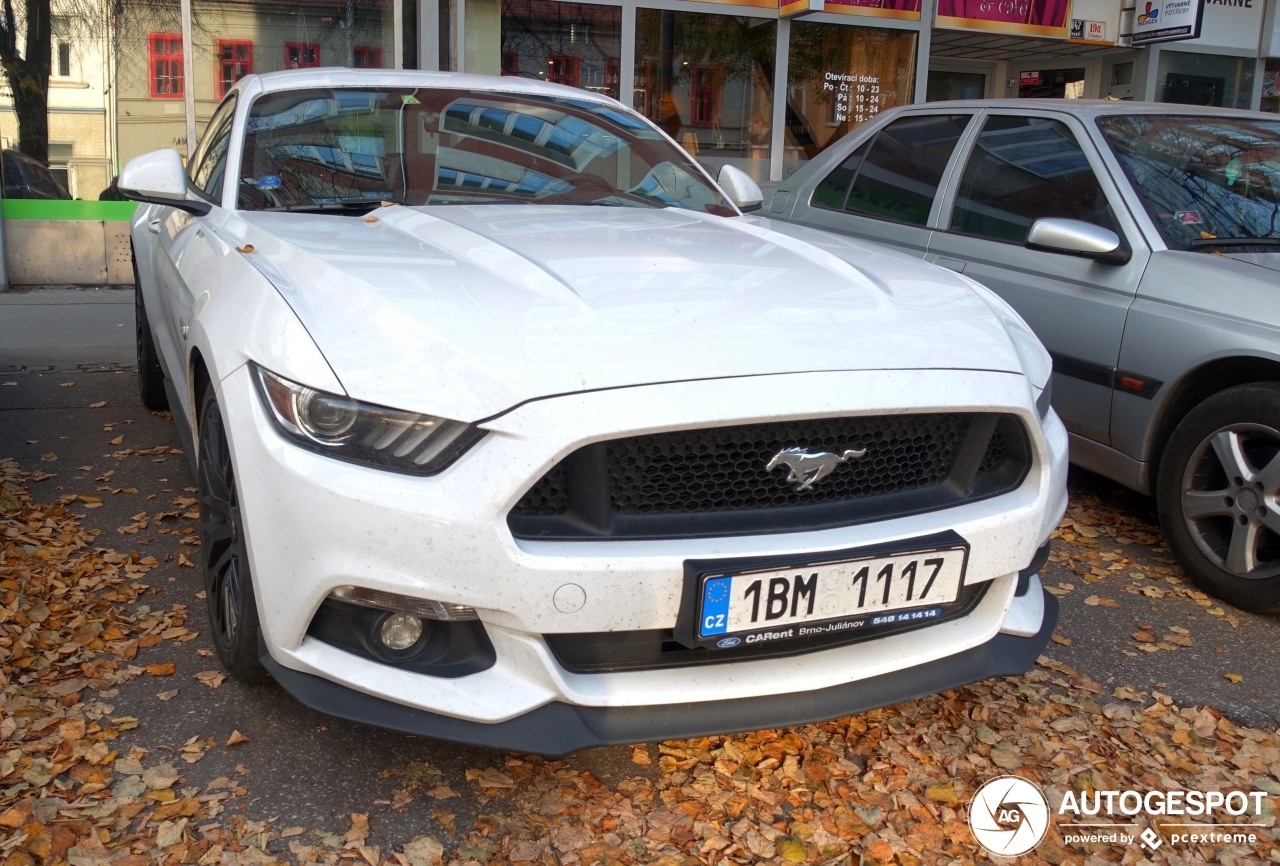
(1009, 816)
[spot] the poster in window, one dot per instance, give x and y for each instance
(1024, 17)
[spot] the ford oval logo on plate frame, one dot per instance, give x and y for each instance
(726, 642)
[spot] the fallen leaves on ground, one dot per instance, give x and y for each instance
(889, 786)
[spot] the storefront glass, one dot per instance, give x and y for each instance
(1205, 79)
(577, 44)
(707, 80)
(837, 78)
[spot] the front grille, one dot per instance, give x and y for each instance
(716, 482)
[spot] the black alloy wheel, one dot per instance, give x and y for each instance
(228, 585)
(1219, 496)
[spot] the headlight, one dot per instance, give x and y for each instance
(361, 433)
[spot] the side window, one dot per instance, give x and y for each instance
(209, 162)
(1023, 168)
(895, 176)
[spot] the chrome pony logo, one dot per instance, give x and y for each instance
(806, 468)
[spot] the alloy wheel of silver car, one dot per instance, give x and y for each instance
(228, 585)
(1225, 522)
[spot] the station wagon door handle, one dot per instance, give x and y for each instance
(153, 226)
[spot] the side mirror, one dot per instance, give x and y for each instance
(159, 178)
(742, 190)
(1078, 238)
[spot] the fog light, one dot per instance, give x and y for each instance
(400, 631)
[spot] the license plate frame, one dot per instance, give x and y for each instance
(814, 623)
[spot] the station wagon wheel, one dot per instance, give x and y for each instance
(1219, 496)
(228, 585)
(150, 376)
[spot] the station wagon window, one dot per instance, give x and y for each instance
(895, 176)
(1024, 168)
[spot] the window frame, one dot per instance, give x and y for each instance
(153, 56)
(222, 63)
(572, 74)
(374, 52)
(301, 46)
(60, 55)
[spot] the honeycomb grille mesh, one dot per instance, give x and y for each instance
(723, 469)
(549, 497)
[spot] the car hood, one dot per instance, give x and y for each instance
(466, 311)
(1270, 261)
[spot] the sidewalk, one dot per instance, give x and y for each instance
(56, 328)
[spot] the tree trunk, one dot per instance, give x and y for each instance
(29, 81)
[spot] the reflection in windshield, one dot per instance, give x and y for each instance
(1203, 180)
(352, 148)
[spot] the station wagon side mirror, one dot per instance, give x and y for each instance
(742, 190)
(1078, 238)
(159, 178)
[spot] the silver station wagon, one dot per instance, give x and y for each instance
(1141, 242)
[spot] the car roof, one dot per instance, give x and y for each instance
(1096, 107)
(336, 76)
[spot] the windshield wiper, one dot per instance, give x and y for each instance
(1235, 242)
(353, 206)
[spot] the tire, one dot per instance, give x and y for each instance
(1218, 493)
(228, 584)
(150, 375)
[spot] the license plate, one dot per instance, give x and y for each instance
(808, 599)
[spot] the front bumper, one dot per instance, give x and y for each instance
(558, 728)
(314, 524)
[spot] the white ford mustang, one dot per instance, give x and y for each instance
(512, 429)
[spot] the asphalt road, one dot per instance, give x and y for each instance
(71, 414)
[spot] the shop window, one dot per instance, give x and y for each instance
(366, 57)
(510, 63)
(1024, 168)
(562, 69)
(847, 76)
(301, 55)
(707, 81)
(61, 27)
(896, 177)
(165, 56)
(235, 61)
(705, 104)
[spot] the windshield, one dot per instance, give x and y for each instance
(353, 149)
(1208, 183)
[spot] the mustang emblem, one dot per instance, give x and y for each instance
(806, 468)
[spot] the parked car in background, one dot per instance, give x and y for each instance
(1141, 242)
(510, 428)
(27, 177)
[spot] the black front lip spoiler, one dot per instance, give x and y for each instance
(557, 728)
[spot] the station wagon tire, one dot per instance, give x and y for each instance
(228, 584)
(1218, 494)
(150, 376)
